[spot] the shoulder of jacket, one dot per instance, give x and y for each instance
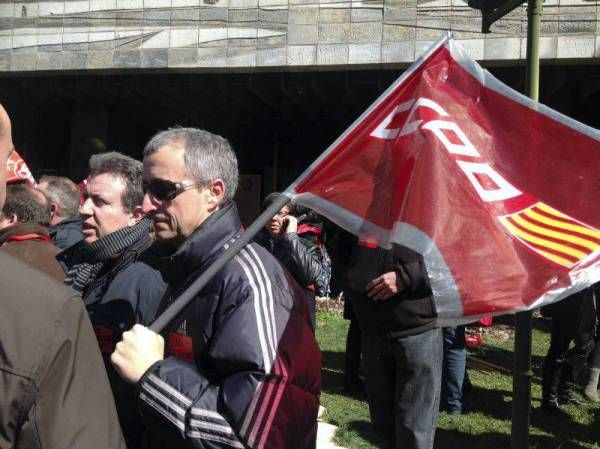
(32, 305)
(138, 274)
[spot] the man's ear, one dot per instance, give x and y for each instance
(136, 215)
(217, 192)
(54, 210)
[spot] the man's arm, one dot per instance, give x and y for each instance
(385, 286)
(406, 273)
(75, 406)
(304, 257)
(184, 403)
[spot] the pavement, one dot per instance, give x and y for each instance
(325, 434)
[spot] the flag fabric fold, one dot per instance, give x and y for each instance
(17, 170)
(497, 192)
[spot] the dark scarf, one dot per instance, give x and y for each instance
(127, 242)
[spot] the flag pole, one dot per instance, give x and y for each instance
(179, 304)
(522, 374)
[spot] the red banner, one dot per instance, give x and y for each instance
(498, 193)
(17, 170)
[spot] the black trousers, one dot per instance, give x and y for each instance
(594, 359)
(573, 319)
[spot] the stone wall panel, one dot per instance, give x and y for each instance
(55, 35)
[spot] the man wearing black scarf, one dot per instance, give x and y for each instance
(114, 267)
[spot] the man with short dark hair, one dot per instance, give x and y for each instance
(114, 266)
(54, 391)
(242, 367)
(24, 230)
(63, 196)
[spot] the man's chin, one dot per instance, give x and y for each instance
(164, 235)
(89, 240)
(89, 235)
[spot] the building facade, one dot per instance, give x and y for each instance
(233, 35)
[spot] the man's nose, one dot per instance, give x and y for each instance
(84, 208)
(149, 204)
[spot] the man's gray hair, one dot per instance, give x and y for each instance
(124, 167)
(207, 156)
(64, 192)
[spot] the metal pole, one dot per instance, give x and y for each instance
(532, 78)
(523, 321)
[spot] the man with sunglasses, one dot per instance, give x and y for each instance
(241, 367)
(115, 267)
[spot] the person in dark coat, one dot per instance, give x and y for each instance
(241, 367)
(24, 230)
(298, 255)
(590, 373)
(54, 391)
(401, 343)
(65, 223)
(115, 267)
(573, 320)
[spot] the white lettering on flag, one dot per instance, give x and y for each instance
(385, 133)
(504, 191)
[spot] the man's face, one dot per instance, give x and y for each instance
(102, 210)
(6, 147)
(175, 219)
(275, 226)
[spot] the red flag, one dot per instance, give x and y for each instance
(498, 193)
(18, 171)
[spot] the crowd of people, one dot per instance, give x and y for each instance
(86, 270)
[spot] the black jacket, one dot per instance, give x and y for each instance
(244, 366)
(53, 388)
(298, 255)
(409, 312)
(67, 233)
(130, 294)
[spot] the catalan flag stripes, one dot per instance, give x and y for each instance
(552, 234)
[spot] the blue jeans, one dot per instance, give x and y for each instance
(403, 386)
(453, 374)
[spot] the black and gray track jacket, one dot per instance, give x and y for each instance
(244, 366)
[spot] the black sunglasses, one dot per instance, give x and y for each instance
(165, 190)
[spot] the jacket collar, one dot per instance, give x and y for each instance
(24, 231)
(74, 222)
(205, 243)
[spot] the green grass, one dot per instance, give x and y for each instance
(487, 421)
